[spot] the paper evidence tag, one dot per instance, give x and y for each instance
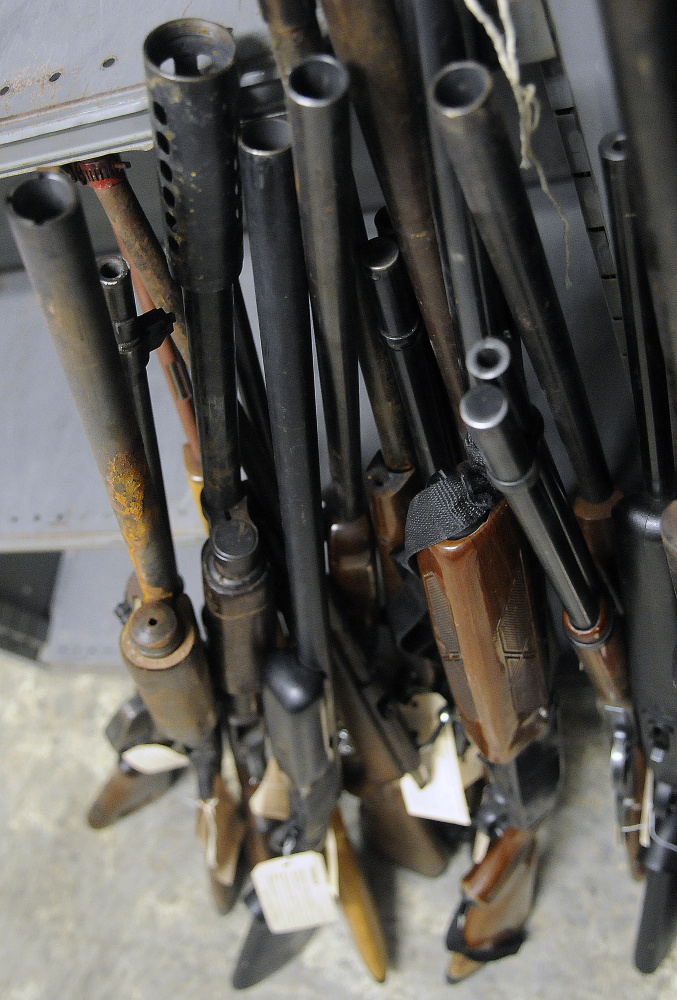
(271, 798)
(294, 892)
(221, 829)
(153, 758)
(443, 797)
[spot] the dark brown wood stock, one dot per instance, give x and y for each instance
(389, 494)
(482, 608)
(352, 564)
(126, 791)
(501, 891)
(602, 656)
(595, 522)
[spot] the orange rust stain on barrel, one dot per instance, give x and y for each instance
(128, 497)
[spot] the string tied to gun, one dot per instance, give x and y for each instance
(528, 105)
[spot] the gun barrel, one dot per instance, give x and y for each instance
(320, 125)
(645, 356)
(196, 157)
(116, 281)
(49, 228)
(284, 321)
(401, 327)
(479, 148)
(513, 467)
(108, 178)
(642, 40)
(434, 30)
(366, 39)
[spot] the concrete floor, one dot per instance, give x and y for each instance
(124, 913)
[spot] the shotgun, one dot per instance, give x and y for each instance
(160, 642)
(646, 588)
(196, 158)
(515, 467)
(475, 571)
(298, 692)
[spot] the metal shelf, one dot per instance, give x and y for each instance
(71, 75)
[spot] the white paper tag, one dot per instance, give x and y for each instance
(472, 767)
(153, 758)
(294, 892)
(480, 847)
(647, 809)
(331, 857)
(443, 798)
(271, 798)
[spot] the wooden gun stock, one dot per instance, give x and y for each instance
(482, 608)
(389, 494)
(498, 896)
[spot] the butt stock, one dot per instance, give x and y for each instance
(498, 895)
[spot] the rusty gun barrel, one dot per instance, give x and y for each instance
(133, 338)
(48, 225)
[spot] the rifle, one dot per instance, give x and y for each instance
(515, 467)
(197, 172)
(297, 696)
(479, 148)
(474, 569)
(646, 587)
(160, 642)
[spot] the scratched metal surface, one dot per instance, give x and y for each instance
(71, 74)
(53, 497)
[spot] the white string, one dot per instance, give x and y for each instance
(528, 105)
(659, 840)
